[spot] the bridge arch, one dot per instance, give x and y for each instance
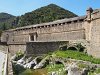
(72, 48)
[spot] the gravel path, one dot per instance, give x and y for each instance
(2, 62)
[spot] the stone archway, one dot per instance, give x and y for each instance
(72, 48)
(77, 47)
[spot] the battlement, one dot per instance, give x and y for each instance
(51, 24)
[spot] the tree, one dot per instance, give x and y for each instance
(4, 27)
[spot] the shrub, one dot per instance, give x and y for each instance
(19, 55)
(17, 69)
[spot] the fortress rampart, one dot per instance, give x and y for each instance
(61, 30)
(85, 28)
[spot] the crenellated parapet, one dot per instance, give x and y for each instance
(53, 24)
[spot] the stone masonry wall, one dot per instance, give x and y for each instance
(57, 32)
(95, 38)
(93, 32)
(38, 48)
(15, 48)
(65, 32)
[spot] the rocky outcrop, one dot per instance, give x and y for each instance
(32, 63)
(71, 66)
(73, 69)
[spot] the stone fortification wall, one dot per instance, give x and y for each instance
(95, 38)
(95, 34)
(3, 47)
(38, 48)
(78, 28)
(61, 30)
(4, 36)
(13, 49)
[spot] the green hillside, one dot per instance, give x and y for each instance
(45, 14)
(6, 21)
(41, 15)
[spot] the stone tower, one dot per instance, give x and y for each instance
(92, 26)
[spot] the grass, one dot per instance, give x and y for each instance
(32, 72)
(58, 68)
(81, 65)
(42, 71)
(54, 67)
(77, 55)
(90, 73)
(97, 71)
(27, 72)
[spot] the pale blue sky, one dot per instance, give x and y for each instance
(19, 7)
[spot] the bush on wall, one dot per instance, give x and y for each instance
(19, 55)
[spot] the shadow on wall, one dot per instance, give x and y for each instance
(38, 48)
